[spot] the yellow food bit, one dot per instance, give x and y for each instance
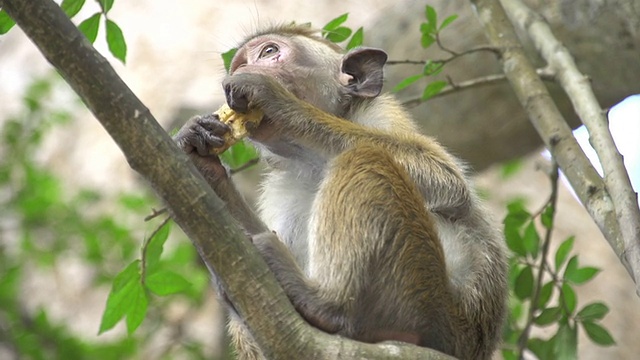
(238, 123)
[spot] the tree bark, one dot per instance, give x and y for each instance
(617, 220)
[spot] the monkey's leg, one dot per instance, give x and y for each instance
(376, 252)
(377, 269)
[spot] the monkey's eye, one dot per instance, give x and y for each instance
(269, 51)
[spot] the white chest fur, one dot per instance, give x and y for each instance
(285, 206)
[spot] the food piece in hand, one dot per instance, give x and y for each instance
(241, 125)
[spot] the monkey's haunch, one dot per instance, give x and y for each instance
(241, 125)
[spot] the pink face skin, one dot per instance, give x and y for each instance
(307, 68)
(263, 51)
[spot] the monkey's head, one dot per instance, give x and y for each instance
(312, 68)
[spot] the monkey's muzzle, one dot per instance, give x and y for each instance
(241, 125)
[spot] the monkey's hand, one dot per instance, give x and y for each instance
(199, 137)
(202, 134)
(245, 91)
(248, 92)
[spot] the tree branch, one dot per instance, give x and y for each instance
(578, 88)
(551, 126)
(245, 277)
(472, 84)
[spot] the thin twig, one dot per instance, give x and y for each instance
(406, 62)
(471, 84)
(454, 56)
(145, 246)
(244, 166)
(553, 200)
(155, 214)
(442, 47)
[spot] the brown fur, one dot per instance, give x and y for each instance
(379, 234)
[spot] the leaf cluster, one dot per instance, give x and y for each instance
(89, 27)
(52, 223)
(430, 30)
(543, 292)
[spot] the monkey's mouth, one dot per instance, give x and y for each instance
(262, 132)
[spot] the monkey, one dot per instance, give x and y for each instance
(372, 229)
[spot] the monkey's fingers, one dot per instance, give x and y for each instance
(241, 125)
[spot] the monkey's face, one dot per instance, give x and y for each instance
(308, 68)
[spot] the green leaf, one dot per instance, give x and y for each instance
(239, 154)
(130, 274)
(89, 27)
(115, 40)
(123, 292)
(166, 282)
(338, 35)
(569, 298)
(547, 216)
(531, 239)
(514, 270)
(6, 22)
(566, 344)
(598, 334)
(447, 21)
(227, 57)
(71, 7)
(548, 316)
(427, 40)
(137, 308)
(509, 354)
(582, 275)
(524, 283)
(335, 23)
(517, 213)
(510, 168)
(514, 240)
(516, 217)
(545, 294)
(433, 89)
(432, 68)
(563, 251)
(543, 349)
(431, 15)
(156, 244)
(572, 266)
(356, 40)
(134, 202)
(406, 82)
(594, 311)
(106, 5)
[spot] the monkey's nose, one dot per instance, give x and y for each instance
(236, 100)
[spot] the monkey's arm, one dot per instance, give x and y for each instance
(305, 296)
(196, 138)
(436, 173)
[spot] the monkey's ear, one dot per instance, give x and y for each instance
(364, 65)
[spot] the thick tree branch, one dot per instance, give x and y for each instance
(551, 126)
(578, 88)
(253, 290)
